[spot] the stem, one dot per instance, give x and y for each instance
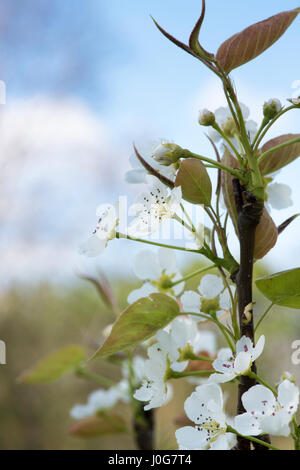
(261, 381)
(195, 357)
(188, 217)
(148, 242)
(219, 130)
(232, 171)
(199, 373)
(296, 434)
(225, 331)
(80, 372)
(278, 147)
(248, 215)
(281, 113)
(253, 439)
(193, 274)
(182, 222)
(261, 128)
(263, 316)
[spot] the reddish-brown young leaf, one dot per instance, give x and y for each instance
(279, 158)
(265, 236)
(252, 41)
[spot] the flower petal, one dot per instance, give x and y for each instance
(190, 438)
(210, 286)
(191, 302)
(146, 265)
(259, 399)
(167, 261)
(288, 396)
(143, 291)
(279, 196)
(247, 425)
(93, 246)
(242, 363)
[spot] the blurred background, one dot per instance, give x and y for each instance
(84, 79)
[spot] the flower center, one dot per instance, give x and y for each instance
(229, 128)
(164, 283)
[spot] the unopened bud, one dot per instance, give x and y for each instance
(167, 153)
(272, 108)
(206, 118)
(296, 101)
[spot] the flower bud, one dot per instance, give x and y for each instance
(296, 101)
(167, 153)
(206, 118)
(272, 108)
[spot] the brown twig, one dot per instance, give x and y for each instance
(249, 212)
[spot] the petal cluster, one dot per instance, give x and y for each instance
(205, 408)
(230, 365)
(267, 413)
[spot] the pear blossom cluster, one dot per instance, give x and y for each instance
(158, 270)
(266, 413)
(167, 355)
(212, 297)
(173, 349)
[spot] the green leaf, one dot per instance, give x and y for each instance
(138, 322)
(54, 366)
(254, 40)
(194, 180)
(98, 426)
(281, 157)
(282, 288)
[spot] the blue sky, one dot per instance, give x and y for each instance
(109, 57)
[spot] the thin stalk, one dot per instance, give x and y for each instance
(193, 274)
(263, 317)
(187, 217)
(223, 135)
(253, 439)
(95, 378)
(149, 242)
(224, 330)
(281, 113)
(263, 382)
(217, 165)
(278, 147)
(197, 373)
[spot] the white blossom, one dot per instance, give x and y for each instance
(226, 122)
(267, 414)
(138, 174)
(296, 101)
(104, 232)
(205, 408)
(157, 270)
(212, 297)
(100, 400)
(184, 335)
(279, 196)
(155, 389)
(153, 207)
(105, 399)
(231, 365)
